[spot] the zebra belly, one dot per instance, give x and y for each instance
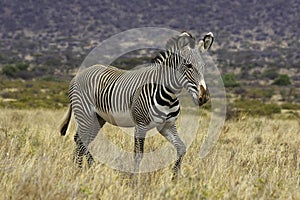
(122, 119)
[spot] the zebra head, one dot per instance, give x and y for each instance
(191, 68)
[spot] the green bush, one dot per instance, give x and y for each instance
(9, 71)
(230, 80)
(14, 71)
(282, 80)
(22, 66)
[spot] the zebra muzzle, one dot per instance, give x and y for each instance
(203, 96)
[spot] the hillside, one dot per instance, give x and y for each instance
(55, 33)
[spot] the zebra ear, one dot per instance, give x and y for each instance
(186, 40)
(182, 41)
(206, 42)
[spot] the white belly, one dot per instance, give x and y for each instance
(122, 119)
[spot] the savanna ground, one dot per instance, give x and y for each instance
(255, 158)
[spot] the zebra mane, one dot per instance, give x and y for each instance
(162, 56)
(174, 45)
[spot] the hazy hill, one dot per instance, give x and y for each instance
(249, 34)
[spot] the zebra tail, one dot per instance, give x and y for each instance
(65, 121)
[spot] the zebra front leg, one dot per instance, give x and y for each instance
(139, 138)
(169, 131)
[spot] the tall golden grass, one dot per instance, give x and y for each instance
(255, 158)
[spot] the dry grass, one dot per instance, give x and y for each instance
(255, 158)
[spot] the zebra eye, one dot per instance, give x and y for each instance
(189, 66)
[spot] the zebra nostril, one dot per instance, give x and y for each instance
(200, 99)
(203, 99)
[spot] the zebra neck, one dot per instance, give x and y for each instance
(169, 77)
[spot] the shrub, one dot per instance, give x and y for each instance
(22, 66)
(230, 80)
(14, 71)
(282, 80)
(9, 71)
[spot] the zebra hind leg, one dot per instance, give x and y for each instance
(90, 159)
(81, 148)
(79, 151)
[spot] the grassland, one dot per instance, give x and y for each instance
(255, 158)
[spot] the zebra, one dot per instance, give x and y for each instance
(144, 99)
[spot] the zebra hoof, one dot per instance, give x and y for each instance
(175, 177)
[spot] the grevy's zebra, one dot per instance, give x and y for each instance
(144, 98)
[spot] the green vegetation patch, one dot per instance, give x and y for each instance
(229, 80)
(33, 94)
(259, 93)
(14, 71)
(290, 106)
(282, 80)
(256, 107)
